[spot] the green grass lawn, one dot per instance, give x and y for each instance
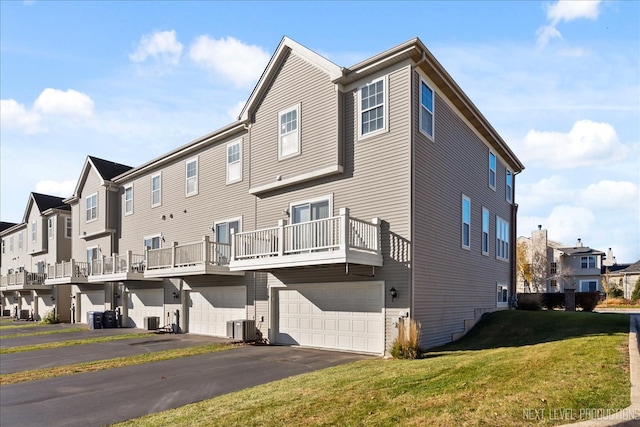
(68, 343)
(511, 364)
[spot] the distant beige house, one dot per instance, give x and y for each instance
(624, 276)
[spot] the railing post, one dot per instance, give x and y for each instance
(206, 251)
(378, 238)
(72, 262)
(344, 229)
(173, 254)
(280, 237)
(129, 261)
(233, 245)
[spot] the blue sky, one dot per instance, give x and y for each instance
(129, 81)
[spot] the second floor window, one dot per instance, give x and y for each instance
(502, 239)
(588, 262)
(234, 162)
(426, 109)
(372, 107)
(466, 222)
(151, 242)
(128, 200)
(289, 133)
(509, 186)
(492, 170)
(20, 241)
(192, 177)
(67, 228)
(92, 207)
(50, 227)
(553, 268)
(10, 243)
(485, 231)
(156, 190)
(34, 231)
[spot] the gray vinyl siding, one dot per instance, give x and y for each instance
(16, 258)
(63, 244)
(186, 219)
(298, 82)
(452, 284)
(92, 185)
(376, 183)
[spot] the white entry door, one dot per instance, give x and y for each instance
(210, 308)
(345, 316)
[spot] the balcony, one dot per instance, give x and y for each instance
(337, 240)
(197, 258)
(67, 272)
(116, 268)
(23, 280)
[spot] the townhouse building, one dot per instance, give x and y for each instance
(42, 238)
(341, 202)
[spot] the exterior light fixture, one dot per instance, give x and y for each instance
(394, 293)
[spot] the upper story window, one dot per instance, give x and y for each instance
(67, 228)
(20, 241)
(234, 161)
(509, 186)
(553, 268)
(191, 168)
(151, 242)
(466, 222)
(289, 132)
(10, 243)
(492, 170)
(34, 231)
(50, 227)
(426, 109)
(588, 262)
(92, 207)
(502, 239)
(128, 199)
(372, 102)
(156, 190)
(485, 231)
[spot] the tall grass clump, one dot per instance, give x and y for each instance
(407, 343)
(50, 318)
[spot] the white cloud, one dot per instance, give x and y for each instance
(566, 10)
(71, 103)
(162, 46)
(235, 110)
(611, 195)
(13, 115)
(56, 188)
(565, 223)
(240, 63)
(587, 144)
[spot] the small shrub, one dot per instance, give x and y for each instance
(615, 293)
(531, 302)
(635, 295)
(50, 318)
(587, 301)
(407, 344)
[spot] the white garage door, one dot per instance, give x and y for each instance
(90, 301)
(211, 308)
(343, 317)
(45, 305)
(145, 303)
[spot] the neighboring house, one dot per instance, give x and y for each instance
(337, 205)
(552, 267)
(42, 238)
(624, 276)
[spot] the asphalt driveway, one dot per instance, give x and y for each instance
(110, 396)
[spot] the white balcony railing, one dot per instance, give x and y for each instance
(68, 269)
(203, 253)
(117, 264)
(22, 278)
(332, 240)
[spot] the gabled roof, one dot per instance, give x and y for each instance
(633, 268)
(43, 203)
(106, 170)
(6, 225)
(580, 250)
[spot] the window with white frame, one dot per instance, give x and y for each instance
(485, 231)
(34, 231)
(10, 243)
(234, 161)
(289, 132)
(553, 268)
(492, 170)
(588, 262)
(553, 283)
(509, 186)
(426, 109)
(151, 242)
(502, 296)
(372, 101)
(92, 253)
(156, 190)
(191, 171)
(502, 239)
(50, 227)
(67, 228)
(588, 285)
(20, 241)
(466, 222)
(317, 234)
(92, 207)
(128, 199)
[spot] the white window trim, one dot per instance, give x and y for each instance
(495, 171)
(222, 221)
(85, 207)
(595, 262)
(20, 241)
(499, 239)
(127, 187)
(159, 174)
(238, 142)
(499, 303)
(508, 188)
(587, 282)
(68, 227)
(34, 232)
(385, 106)
(433, 112)
(328, 197)
(91, 248)
(10, 243)
(298, 151)
(462, 223)
(186, 179)
(51, 231)
(488, 224)
(149, 237)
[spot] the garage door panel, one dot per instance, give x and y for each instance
(145, 303)
(332, 316)
(212, 307)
